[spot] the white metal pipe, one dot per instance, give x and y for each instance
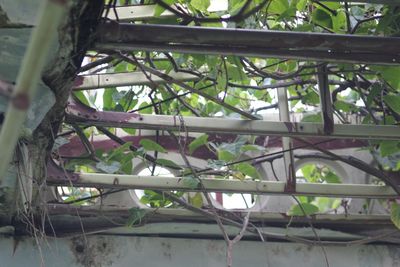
(28, 77)
(234, 186)
(232, 126)
(95, 81)
(137, 12)
(286, 141)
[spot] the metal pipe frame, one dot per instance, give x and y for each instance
(95, 81)
(83, 115)
(100, 180)
(259, 43)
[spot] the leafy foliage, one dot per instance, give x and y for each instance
(135, 216)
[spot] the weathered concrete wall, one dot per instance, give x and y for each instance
(174, 252)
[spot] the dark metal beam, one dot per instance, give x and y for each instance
(262, 43)
(325, 99)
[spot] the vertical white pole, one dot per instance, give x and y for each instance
(286, 141)
(31, 69)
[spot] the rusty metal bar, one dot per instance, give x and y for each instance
(28, 77)
(100, 180)
(305, 46)
(83, 115)
(172, 213)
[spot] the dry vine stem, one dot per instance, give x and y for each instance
(229, 242)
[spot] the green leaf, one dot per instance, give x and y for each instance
(154, 199)
(167, 163)
(390, 74)
(120, 151)
(150, 145)
(389, 147)
(246, 148)
(81, 97)
(135, 216)
(309, 172)
(311, 98)
(278, 6)
(325, 203)
(148, 110)
(332, 5)
(234, 6)
(129, 131)
(344, 106)
(376, 90)
(198, 60)
(312, 118)
(127, 164)
(248, 170)
(190, 182)
(159, 9)
(393, 101)
(235, 72)
(339, 22)
(222, 81)
(395, 214)
(196, 200)
(301, 5)
(322, 17)
(331, 177)
(305, 209)
(225, 155)
(108, 99)
(200, 5)
(198, 142)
